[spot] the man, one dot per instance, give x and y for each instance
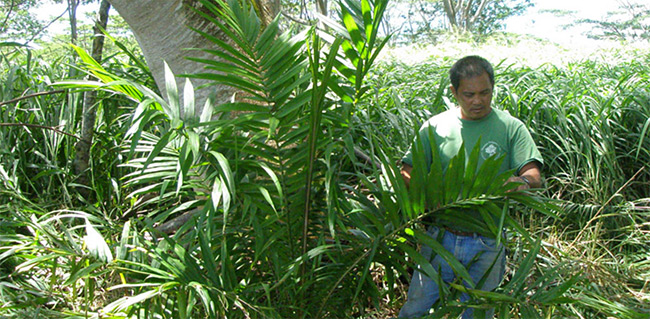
(472, 84)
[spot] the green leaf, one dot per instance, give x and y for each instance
(122, 249)
(128, 301)
(490, 295)
(424, 266)
(225, 170)
(555, 295)
(208, 110)
(208, 258)
(518, 280)
(366, 268)
(82, 273)
(644, 130)
(440, 250)
(454, 176)
(96, 244)
(173, 107)
(188, 100)
(274, 178)
(353, 29)
(471, 169)
(267, 197)
(366, 11)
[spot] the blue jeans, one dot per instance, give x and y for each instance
(424, 292)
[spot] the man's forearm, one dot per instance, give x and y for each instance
(533, 180)
(530, 176)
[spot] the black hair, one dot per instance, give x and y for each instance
(470, 66)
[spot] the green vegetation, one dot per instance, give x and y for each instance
(17, 23)
(591, 121)
(294, 201)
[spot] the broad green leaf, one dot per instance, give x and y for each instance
(208, 110)
(122, 249)
(225, 170)
(124, 303)
(556, 293)
(486, 294)
(424, 266)
(366, 11)
(188, 100)
(454, 176)
(208, 259)
(83, 273)
(366, 268)
(470, 170)
(353, 29)
(96, 244)
(171, 109)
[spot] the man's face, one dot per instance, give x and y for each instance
(474, 96)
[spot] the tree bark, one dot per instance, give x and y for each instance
(82, 155)
(459, 13)
(451, 13)
(72, 14)
(161, 28)
(321, 6)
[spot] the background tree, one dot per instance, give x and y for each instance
(481, 16)
(82, 154)
(71, 9)
(495, 13)
(630, 22)
(427, 19)
(16, 23)
(418, 19)
(72, 16)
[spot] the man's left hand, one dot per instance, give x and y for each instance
(529, 177)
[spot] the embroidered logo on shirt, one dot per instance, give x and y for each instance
(489, 149)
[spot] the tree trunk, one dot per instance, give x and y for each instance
(72, 14)
(161, 28)
(321, 6)
(450, 10)
(459, 13)
(82, 155)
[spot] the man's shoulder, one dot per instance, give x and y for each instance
(506, 117)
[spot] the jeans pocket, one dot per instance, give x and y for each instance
(487, 243)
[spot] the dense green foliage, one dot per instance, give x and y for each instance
(17, 23)
(297, 206)
(591, 121)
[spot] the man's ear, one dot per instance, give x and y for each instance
(453, 90)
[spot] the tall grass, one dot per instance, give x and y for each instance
(47, 256)
(590, 121)
(35, 156)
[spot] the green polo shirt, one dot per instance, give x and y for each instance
(499, 133)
